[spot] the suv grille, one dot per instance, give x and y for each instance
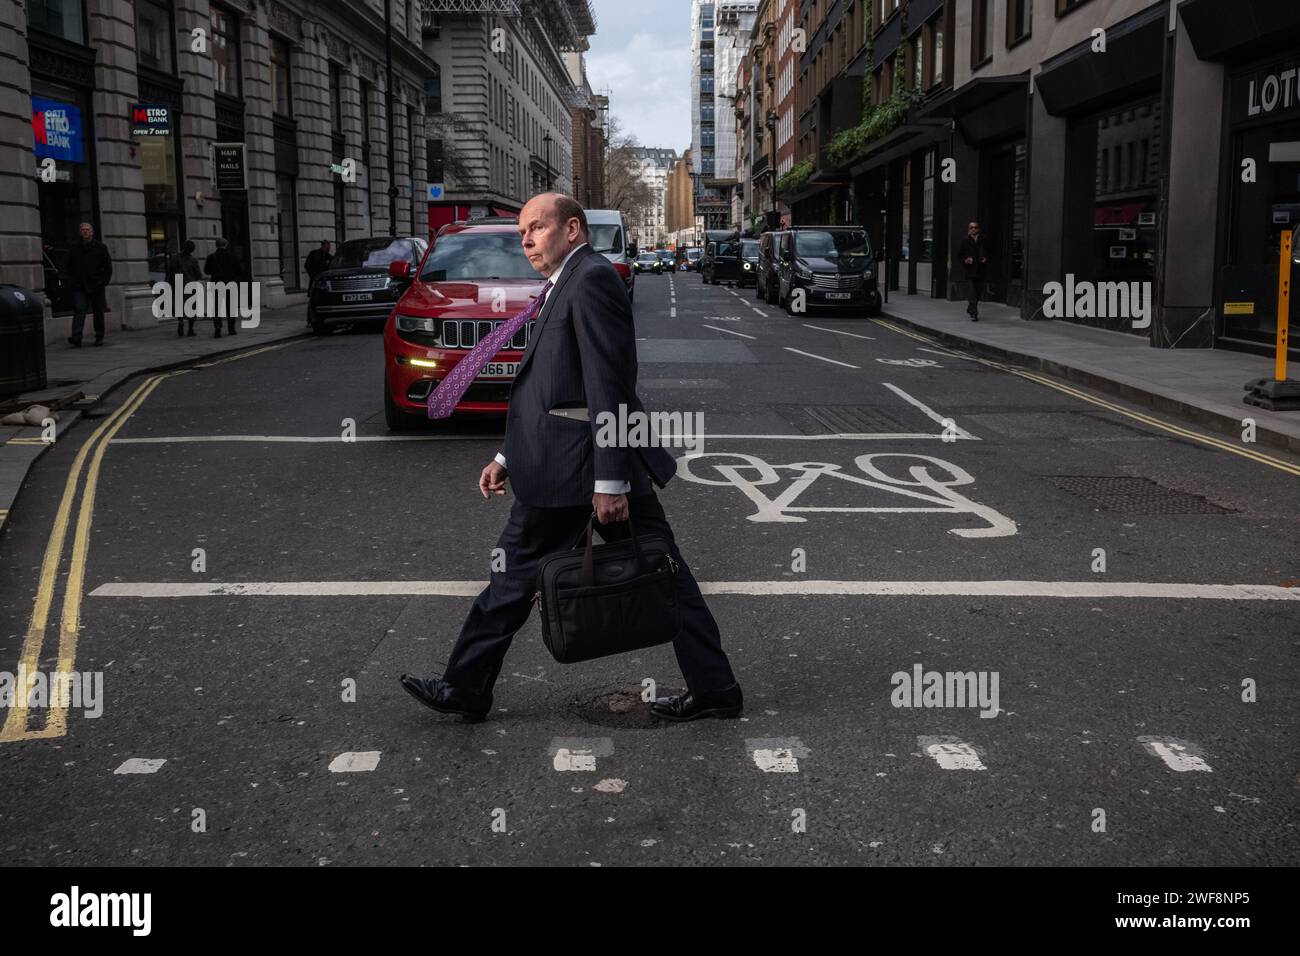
(836, 281)
(467, 333)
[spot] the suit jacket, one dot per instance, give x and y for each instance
(973, 249)
(582, 354)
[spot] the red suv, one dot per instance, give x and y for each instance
(473, 277)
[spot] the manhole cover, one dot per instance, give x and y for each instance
(841, 419)
(1136, 496)
(620, 707)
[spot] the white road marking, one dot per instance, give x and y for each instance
(672, 313)
(823, 358)
(578, 754)
(948, 354)
(141, 765)
(611, 785)
(579, 760)
(950, 753)
(776, 754)
(360, 761)
(760, 312)
(838, 332)
(1179, 755)
(1092, 590)
(930, 412)
(313, 439)
(730, 332)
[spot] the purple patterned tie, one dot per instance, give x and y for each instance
(444, 398)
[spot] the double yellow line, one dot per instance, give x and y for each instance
(1258, 456)
(56, 725)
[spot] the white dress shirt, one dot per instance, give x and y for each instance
(602, 487)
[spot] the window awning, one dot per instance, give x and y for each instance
(1078, 80)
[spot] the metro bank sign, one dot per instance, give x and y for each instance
(57, 130)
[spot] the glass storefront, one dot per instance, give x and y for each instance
(162, 208)
(1126, 193)
(61, 126)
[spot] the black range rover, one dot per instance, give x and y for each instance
(357, 287)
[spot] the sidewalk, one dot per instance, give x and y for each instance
(1201, 386)
(97, 370)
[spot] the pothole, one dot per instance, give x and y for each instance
(619, 706)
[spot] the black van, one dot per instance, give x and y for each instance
(765, 288)
(833, 265)
(721, 259)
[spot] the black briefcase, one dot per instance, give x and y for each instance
(608, 599)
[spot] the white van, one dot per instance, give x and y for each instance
(608, 234)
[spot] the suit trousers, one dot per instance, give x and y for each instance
(83, 302)
(973, 290)
(503, 607)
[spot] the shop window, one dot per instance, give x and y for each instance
(281, 91)
(61, 18)
(1126, 198)
(162, 210)
(1019, 20)
(981, 37)
(226, 54)
(153, 35)
(70, 199)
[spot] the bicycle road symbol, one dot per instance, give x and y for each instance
(932, 493)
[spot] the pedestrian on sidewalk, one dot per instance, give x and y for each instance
(184, 264)
(974, 254)
(318, 261)
(89, 269)
(223, 266)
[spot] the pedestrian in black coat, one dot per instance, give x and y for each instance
(974, 255)
(89, 269)
(184, 264)
(223, 266)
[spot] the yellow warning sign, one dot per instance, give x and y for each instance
(1239, 308)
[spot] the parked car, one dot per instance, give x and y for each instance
(748, 274)
(834, 265)
(769, 281)
(607, 233)
(452, 300)
(668, 258)
(359, 286)
(721, 259)
(693, 256)
(649, 262)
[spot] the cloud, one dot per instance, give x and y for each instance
(649, 80)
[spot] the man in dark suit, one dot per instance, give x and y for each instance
(974, 255)
(582, 355)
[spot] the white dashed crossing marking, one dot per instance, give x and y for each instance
(1179, 755)
(822, 358)
(141, 765)
(838, 332)
(951, 753)
(578, 754)
(930, 412)
(776, 754)
(360, 761)
(730, 332)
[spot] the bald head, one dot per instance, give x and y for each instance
(551, 226)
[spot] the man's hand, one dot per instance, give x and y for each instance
(492, 479)
(609, 508)
(968, 260)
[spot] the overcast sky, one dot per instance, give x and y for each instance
(641, 54)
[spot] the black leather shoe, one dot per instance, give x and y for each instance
(728, 702)
(437, 694)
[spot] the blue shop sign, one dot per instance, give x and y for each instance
(57, 130)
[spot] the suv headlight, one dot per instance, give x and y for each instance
(868, 275)
(801, 273)
(416, 323)
(748, 267)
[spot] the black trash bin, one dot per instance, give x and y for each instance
(22, 340)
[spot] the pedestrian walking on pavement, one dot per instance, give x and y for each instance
(590, 358)
(184, 264)
(223, 266)
(974, 255)
(318, 261)
(89, 269)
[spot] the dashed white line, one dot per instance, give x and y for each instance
(931, 413)
(1179, 755)
(823, 358)
(838, 332)
(141, 765)
(672, 314)
(355, 761)
(776, 754)
(950, 753)
(730, 332)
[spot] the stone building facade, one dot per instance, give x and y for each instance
(296, 94)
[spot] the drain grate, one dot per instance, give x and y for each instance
(841, 419)
(1136, 496)
(621, 707)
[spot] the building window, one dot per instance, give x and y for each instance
(153, 35)
(62, 18)
(1019, 17)
(287, 230)
(918, 62)
(1065, 6)
(281, 93)
(981, 37)
(225, 53)
(340, 214)
(162, 210)
(336, 99)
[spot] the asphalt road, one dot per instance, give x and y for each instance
(824, 471)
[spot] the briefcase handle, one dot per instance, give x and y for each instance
(588, 565)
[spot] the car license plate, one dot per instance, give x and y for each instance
(358, 296)
(499, 370)
(839, 295)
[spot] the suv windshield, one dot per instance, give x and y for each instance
(831, 244)
(649, 258)
(727, 249)
(749, 248)
(373, 253)
(477, 255)
(606, 238)
(692, 253)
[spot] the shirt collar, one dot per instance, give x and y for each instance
(555, 276)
